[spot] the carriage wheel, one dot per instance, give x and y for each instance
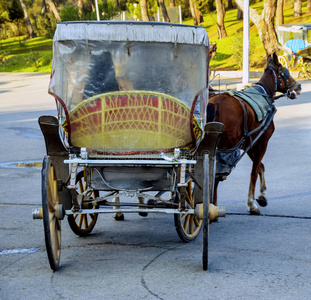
(283, 61)
(52, 213)
(83, 224)
(187, 225)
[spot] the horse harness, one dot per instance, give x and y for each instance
(227, 159)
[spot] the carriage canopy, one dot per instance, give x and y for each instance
(296, 31)
(152, 63)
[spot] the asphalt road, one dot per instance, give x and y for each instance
(251, 257)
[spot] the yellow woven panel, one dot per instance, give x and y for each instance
(130, 121)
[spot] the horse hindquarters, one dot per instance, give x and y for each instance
(210, 112)
(225, 109)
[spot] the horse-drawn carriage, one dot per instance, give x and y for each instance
(295, 40)
(131, 134)
(136, 131)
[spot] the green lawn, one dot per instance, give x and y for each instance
(35, 55)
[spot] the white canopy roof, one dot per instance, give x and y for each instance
(131, 31)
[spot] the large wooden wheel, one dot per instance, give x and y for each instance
(83, 224)
(188, 226)
(52, 213)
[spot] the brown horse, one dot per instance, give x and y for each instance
(243, 131)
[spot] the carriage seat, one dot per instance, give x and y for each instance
(132, 121)
(295, 45)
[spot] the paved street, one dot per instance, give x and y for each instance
(251, 257)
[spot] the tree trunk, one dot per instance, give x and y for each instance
(29, 25)
(264, 24)
(230, 4)
(195, 13)
(239, 14)
(172, 3)
(43, 8)
(221, 12)
(80, 6)
(53, 8)
(164, 11)
(279, 13)
(144, 10)
(297, 8)
(309, 7)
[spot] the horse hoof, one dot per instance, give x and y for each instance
(119, 217)
(254, 211)
(143, 214)
(262, 201)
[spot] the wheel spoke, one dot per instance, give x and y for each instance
(55, 237)
(186, 223)
(191, 223)
(80, 187)
(86, 225)
(196, 221)
(83, 224)
(80, 221)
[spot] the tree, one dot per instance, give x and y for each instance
(16, 14)
(264, 24)
(163, 10)
(297, 8)
(221, 12)
(279, 13)
(53, 9)
(239, 14)
(43, 8)
(308, 6)
(80, 6)
(144, 10)
(195, 13)
(27, 20)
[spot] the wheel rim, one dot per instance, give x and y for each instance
(308, 70)
(83, 224)
(50, 203)
(283, 61)
(187, 225)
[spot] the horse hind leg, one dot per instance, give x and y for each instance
(256, 169)
(262, 200)
(251, 204)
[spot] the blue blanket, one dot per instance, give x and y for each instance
(260, 104)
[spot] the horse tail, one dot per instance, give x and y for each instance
(210, 112)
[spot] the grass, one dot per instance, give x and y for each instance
(22, 55)
(35, 55)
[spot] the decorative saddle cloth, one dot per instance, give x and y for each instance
(260, 104)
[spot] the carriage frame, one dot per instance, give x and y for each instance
(141, 146)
